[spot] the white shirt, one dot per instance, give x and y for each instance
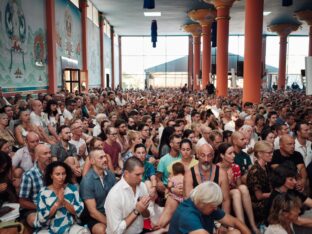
(96, 130)
(78, 144)
(305, 151)
(277, 143)
(119, 203)
(22, 159)
(230, 126)
(40, 121)
(67, 114)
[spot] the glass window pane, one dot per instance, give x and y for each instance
(132, 45)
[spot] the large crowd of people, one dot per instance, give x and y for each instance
(157, 161)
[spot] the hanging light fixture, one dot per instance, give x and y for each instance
(154, 33)
(286, 3)
(149, 4)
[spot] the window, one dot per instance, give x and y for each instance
(163, 66)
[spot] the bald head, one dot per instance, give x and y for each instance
(32, 140)
(239, 140)
(43, 155)
(205, 154)
(287, 145)
(36, 106)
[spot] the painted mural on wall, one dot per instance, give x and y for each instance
(94, 71)
(23, 53)
(68, 34)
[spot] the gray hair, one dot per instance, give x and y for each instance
(207, 192)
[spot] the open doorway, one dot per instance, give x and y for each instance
(71, 80)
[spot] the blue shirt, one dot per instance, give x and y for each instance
(188, 218)
(91, 187)
(163, 166)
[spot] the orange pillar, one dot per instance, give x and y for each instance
(113, 57)
(205, 17)
(282, 63)
(120, 62)
(51, 46)
(190, 63)
(196, 44)
(84, 46)
(206, 54)
(283, 31)
(195, 30)
(101, 23)
(223, 17)
(253, 50)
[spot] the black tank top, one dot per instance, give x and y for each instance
(215, 179)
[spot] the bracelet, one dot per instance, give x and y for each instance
(136, 212)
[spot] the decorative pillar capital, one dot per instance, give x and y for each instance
(83, 3)
(194, 29)
(204, 17)
(221, 3)
(283, 30)
(101, 18)
(305, 15)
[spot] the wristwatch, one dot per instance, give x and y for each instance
(136, 212)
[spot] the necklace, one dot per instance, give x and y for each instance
(202, 177)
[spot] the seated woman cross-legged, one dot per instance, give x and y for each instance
(59, 203)
(239, 192)
(258, 180)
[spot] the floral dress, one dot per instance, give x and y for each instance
(62, 220)
(258, 180)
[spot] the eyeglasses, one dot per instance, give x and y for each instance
(211, 155)
(114, 134)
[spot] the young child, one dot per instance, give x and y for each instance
(173, 200)
(176, 180)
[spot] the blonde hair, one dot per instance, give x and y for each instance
(207, 192)
(132, 135)
(261, 146)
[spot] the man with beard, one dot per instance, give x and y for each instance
(204, 171)
(167, 160)
(122, 139)
(66, 152)
(241, 158)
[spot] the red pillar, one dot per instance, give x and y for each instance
(120, 62)
(190, 63)
(206, 31)
(310, 41)
(51, 46)
(113, 56)
(84, 46)
(196, 43)
(101, 23)
(253, 50)
(282, 63)
(222, 50)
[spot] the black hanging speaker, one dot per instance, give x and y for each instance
(149, 4)
(214, 34)
(154, 32)
(286, 3)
